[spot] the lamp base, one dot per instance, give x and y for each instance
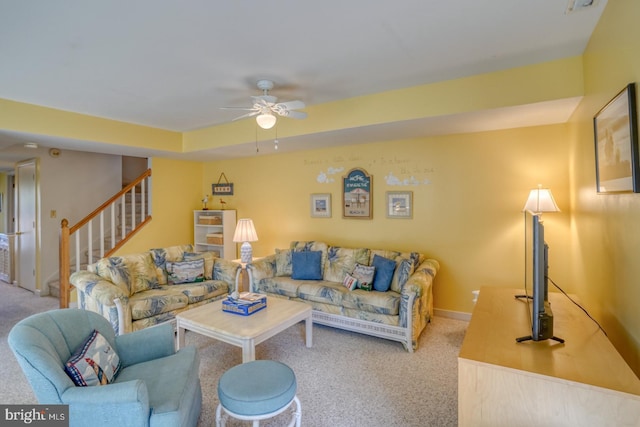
(246, 253)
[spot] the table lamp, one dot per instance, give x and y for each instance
(245, 233)
(540, 200)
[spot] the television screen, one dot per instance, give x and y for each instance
(536, 280)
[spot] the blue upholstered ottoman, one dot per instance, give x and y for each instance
(256, 391)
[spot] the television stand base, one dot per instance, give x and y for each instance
(530, 338)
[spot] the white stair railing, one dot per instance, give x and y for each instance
(84, 231)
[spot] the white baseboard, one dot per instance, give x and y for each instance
(458, 315)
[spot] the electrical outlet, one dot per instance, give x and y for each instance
(53, 214)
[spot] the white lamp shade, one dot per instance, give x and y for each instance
(245, 231)
(541, 200)
(266, 121)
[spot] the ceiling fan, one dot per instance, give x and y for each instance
(266, 107)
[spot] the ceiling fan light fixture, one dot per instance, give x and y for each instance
(266, 120)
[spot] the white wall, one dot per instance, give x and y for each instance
(72, 185)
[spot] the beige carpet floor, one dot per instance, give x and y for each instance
(345, 379)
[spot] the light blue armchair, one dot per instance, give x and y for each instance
(155, 386)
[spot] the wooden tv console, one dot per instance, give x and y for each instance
(583, 382)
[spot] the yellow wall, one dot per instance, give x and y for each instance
(28, 118)
(175, 194)
(606, 228)
(467, 207)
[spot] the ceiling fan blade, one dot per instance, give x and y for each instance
(238, 108)
(244, 116)
(295, 114)
(292, 105)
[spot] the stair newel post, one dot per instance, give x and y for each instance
(65, 269)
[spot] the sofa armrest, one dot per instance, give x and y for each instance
(419, 290)
(261, 269)
(93, 286)
(103, 297)
(104, 403)
(146, 344)
(227, 271)
(422, 278)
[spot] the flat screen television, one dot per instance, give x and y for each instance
(536, 280)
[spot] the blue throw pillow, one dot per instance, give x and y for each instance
(384, 273)
(306, 265)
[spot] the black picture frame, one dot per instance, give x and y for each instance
(615, 128)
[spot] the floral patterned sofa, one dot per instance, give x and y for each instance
(140, 290)
(400, 313)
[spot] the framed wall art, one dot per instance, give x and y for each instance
(321, 205)
(357, 194)
(399, 204)
(615, 129)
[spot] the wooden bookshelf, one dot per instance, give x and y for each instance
(582, 382)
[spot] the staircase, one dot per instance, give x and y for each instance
(101, 233)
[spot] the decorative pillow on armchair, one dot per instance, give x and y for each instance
(306, 265)
(94, 362)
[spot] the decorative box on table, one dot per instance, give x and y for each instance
(244, 308)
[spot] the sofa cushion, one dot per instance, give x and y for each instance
(341, 261)
(161, 255)
(322, 291)
(306, 265)
(94, 362)
(185, 271)
(404, 269)
(285, 286)
(132, 273)
(197, 292)
(209, 261)
(283, 262)
(373, 302)
(384, 273)
(156, 301)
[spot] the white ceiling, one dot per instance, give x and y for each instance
(172, 65)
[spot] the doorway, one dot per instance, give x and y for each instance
(27, 224)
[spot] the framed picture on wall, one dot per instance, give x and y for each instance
(399, 204)
(616, 139)
(321, 205)
(357, 194)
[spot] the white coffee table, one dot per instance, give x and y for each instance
(245, 331)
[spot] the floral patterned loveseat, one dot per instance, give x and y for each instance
(400, 313)
(140, 290)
